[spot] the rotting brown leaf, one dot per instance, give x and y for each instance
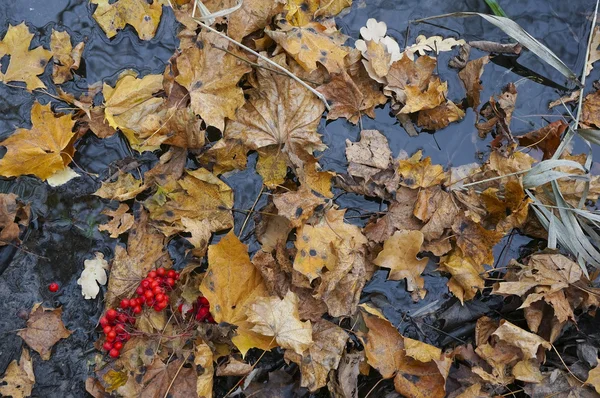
(44, 329)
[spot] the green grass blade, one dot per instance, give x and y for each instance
(495, 7)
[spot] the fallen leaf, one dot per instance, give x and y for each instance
(497, 114)
(312, 43)
(229, 265)
(344, 382)
(199, 195)
(44, 329)
(203, 359)
(125, 187)
(144, 16)
(420, 173)
(527, 342)
(594, 54)
(121, 221)
(44, 149)
(384, 346)
(200, 234)
(12, 214)
(279, 112)
(233, 367)
(436, 44)
(420, 351)
(440, 117)
(252, 16)
(399, 215)
(279, 318)
(302, 12)
(329, 342)
(437, 209)
(94, 271)
(19, 379)
(546, 139)
(466, 278)
(527, 371)
(211, 76)
(297, 206)
(368, 156)
(25, 65)
(61, 177)
(475, 241)
(470, 76)
(145, 251)
(399, 254)
(66, 58)
(593, 378)
(272, 166)
(226, 155)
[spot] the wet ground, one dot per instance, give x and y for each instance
(64, 232)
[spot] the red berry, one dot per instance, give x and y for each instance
(118, 345)
(148, 294)
(176, 276)
(202, 313)
(53, 287)
(170, 282)
(145, 284)
(210, 319)
(126, 337)
(119, 328)
(111, 314)
(140, 300)
(114, 353)
(152, 274)
(139, 291)
(157, 307)
(122, 318)
(137, 309)
(154, 284)
(107, 346)
(104, 321)
(158, 290)
(160, 297)
(171, 274)
(161, 271)
(124, 304)
(203, 301)
(111, 334)
(107, 329)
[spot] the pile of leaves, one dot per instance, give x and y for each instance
(298, 298)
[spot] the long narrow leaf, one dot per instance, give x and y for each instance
(515, 31)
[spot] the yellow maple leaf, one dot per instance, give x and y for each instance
(66, 57)
(144, 16)
(279, 318)
(399, 254)
(466, 274)
(211, 76)
(25, 65)
(228, 266)
(420, 173)
(302, 12)
(42, 151)
(124, 188)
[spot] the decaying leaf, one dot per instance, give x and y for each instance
(466, 274)
(12, 214)
(44, 149)
(470, 76)
(66, 58)
(125, 187)
(203, 357)
(25, 65)
(301, 12)
(252, 16)
(144, 16)
(121, 221)
(546, 139)
(435, 44)
(44, 329)
(440, 117)
(420, 173)
(94, 273)
(18, 380)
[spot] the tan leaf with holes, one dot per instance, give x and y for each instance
(143, 15)
(19, 379)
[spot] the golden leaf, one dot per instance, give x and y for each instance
(399, 254)
(527, 342)
(302, 12)
(19, 379)
(312, 43)
(42, 151)
(594, 378)
(211, 76)
(144, 16)
(125, 187)
(280, 112)
(466, 278)
(66, 58)
(121, 221)
(203, 357)
(272, 166)
(279, 318)
(252, 16)
(44, 329)
(420, 351)
(475, 241)
(297, 206)
(25, 65)
(419, 173)
(229, 265)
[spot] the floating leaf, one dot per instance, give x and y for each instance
(66, 58)
(144, 16)
(44, 329)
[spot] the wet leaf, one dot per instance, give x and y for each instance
(279, 318)
(44, 329)
(420, 173)
(301, 12)
(121, 221)
(144, 16)
(399, 216)
(66, 58)
(229, 265)
(203, 357)
(125, 187)
(369, 156)
(211, 76)
(43, 150)
(546, 139)
(94, 273)
(435, 44)
(475, 241)
(399, 254)
(440, 117)
(470, 76)
(252, 16)
(272, 166)
(12, 214)
(25, 65)
(19, 379)
(297, 206)
(384, 346)
(466, 278)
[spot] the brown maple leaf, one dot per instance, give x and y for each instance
(44, 329)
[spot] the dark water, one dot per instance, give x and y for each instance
(64, 230)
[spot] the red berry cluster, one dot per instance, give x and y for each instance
(202, 308)
(152, 292)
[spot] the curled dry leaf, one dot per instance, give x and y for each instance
(144, 16)
(19, 379)
(44, 149)
(44, 329)
(470, 76)
(25, 65)
(121, 221)
(66, 58)
(399, 254)
(125, 187)
(12, 214)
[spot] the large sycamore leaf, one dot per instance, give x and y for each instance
(19, 378)
(43, 150)
(44, 329)
(199, 195)
(211, 76)
(144, 16)
(229, 266)
(130, 102)
(279, 318)
(280, 112)
(25, 65)
(399, 254)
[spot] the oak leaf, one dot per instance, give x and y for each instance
(25, 65)
(211, 76)
(43, 150)
(144, 16)
(94, 273)
(66, 58)
(19, 379)
(44, 329)
(229, 265)
(399, 254)
(436, 44)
